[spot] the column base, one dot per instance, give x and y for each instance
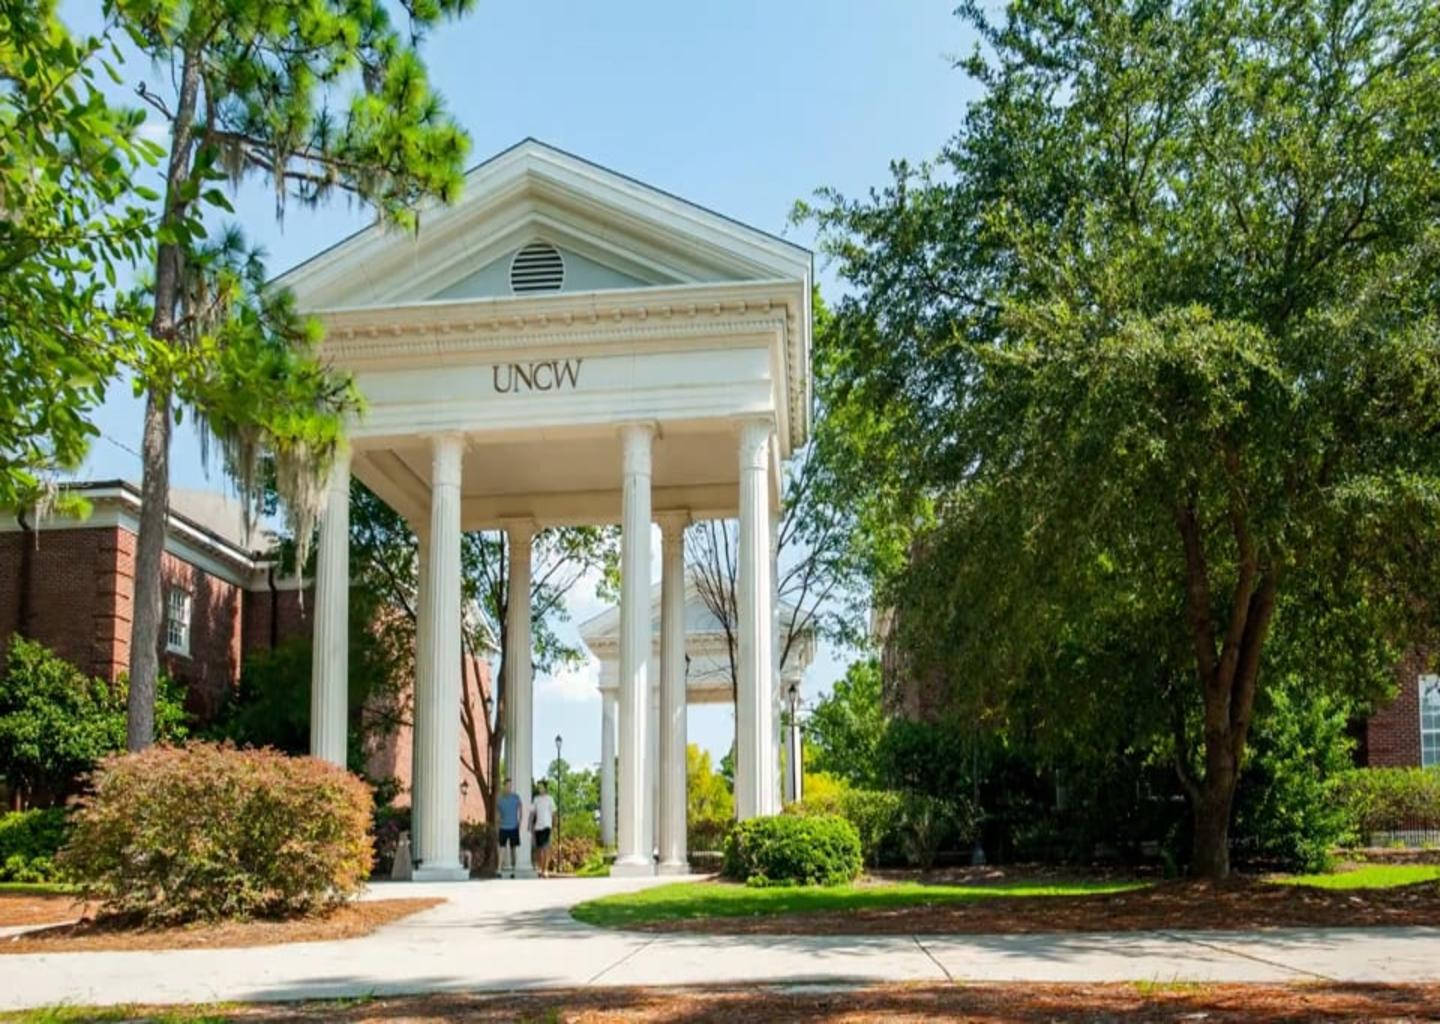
(637, 868)
(440, 873)
(673, 868)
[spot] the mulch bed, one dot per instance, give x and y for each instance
(1029, 1004)
(1238, 904)
(26, 908)
(350, 921)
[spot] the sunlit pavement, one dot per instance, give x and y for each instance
(501, 935)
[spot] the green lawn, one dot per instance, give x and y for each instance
(35, 888)
(682, 900)
(1370, 876)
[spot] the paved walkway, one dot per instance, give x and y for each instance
(518, 934)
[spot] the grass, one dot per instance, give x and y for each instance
(688, 900)
(36, 888)
(1370, 876)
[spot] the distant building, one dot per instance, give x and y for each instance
(70, 584)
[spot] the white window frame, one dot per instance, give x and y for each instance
(1430, 683)
(177, 621)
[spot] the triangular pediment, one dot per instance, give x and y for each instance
(611, 232)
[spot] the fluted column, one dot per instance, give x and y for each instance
(607, 768)
(633, 855)
(330, 652)
(419, 686)
(436, 807)
(772, 757)
(673, 699)
(754, 785)
(517, 664)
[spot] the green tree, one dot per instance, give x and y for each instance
(271, 705)
(56, 722)
(1155, 338)
(68, 218)
(709, 805)
(844, 729)
(251, 89)
(577, 798)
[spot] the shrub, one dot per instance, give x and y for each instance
(822, 849)
(1391, 799)
(29, 841)
(388, 824)
(929, 824)
(174, 834)
(569, 854)
(1285, 807)
(874, 814)
(56, 722)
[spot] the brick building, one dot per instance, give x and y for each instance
(70, 584)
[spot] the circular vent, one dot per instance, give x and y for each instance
(537, 268)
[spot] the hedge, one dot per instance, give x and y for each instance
(29, 842)
(793, 850)
(1383, 800)
(205, 831)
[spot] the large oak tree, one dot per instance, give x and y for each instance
(1154, 342)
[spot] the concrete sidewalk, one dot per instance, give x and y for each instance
(505, 935)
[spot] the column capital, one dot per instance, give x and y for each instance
(447, 451)
(338, 479)
(755, 437)
(672, 522)
(637, 440)
(519, 530)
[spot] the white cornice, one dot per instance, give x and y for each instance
(419, 332)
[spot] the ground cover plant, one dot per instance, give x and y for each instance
(174, 834)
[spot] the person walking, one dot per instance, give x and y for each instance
(542, 821)
(509, 809)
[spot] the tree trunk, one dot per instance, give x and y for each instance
(155, 444)
(1210, 850)
(149, 593)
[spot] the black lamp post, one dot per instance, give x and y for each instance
(558, 740)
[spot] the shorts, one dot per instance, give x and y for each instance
(510, 837)
(542, 838)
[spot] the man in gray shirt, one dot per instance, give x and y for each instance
(508, 809)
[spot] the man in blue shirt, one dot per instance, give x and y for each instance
(508, 810)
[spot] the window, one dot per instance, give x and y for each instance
(177, 621)
(1429, 720)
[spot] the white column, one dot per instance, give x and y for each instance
(423, 664)
(330, 651)
(651, 828)
(754, 784)
(633, 853)
(518, 665)
(673, 698)
(777, 692)
(607, 768)
(436, 808)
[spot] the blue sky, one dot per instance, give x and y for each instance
(743, 107)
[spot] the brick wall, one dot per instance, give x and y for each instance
(82, 599)
(290, 610)
(1392, 735)
(390, 755)
(212, 667)
(74, 587)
